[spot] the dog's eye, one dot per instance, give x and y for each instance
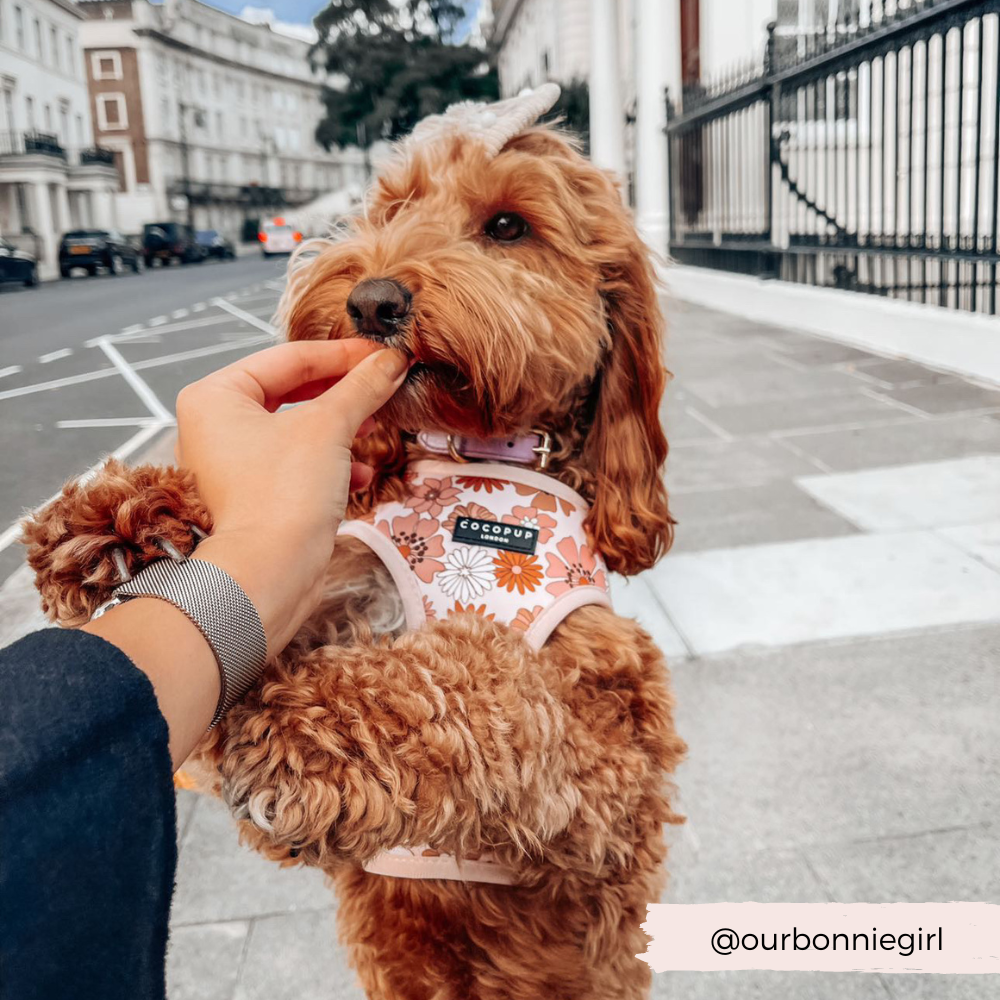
(506, 227)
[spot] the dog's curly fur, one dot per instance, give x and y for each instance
(363, 736)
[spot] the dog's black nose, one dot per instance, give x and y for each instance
(377, 306)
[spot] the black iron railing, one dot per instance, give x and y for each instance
(864, 156)
(26, 143)
(97, 155)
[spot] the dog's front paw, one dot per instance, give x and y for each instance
(98, 534)
(285, 805)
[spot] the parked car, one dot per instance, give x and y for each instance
(17, 265)
(215, 244)
(94, 248)
(277, 237)
(170, 241)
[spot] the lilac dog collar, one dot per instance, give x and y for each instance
(527, 450)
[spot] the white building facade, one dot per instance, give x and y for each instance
(629, 52)
(52, 178)
(212, 119)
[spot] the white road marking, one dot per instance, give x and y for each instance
(131, 445)
(166, 359)
(198, 307)
(57, 383)
(139, 386)
(246, 317)
(179, 314)
(157, 321)
(108, 422)
(142, 331)
(55, 355)
(10, 370)
(278, 286)
(134, 328)
(200, 352)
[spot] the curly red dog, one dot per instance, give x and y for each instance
(518, 285)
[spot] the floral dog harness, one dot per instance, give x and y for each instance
(495, 540)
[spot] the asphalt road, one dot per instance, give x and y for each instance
(92, 366)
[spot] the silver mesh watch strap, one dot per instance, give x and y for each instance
(220, 609)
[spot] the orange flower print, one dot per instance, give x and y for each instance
(473, 510)
(472, 610)
(477, 483)
(540, 500)
(418, 543)
(531, 517)
(432, 496)
(524, 618)
(514, 570)
(429, 613)
(577, 568)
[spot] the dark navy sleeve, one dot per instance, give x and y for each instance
(87, 826)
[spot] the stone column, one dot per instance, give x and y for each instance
(607, 113)
(658, 66)
(44, 227)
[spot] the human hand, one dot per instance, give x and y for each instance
(276, 483)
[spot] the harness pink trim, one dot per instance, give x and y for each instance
(497, 540)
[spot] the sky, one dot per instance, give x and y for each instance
(303, 11)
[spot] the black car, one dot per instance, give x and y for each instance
(170, 241)
(94, 248)
(215, 244)
(17, 265)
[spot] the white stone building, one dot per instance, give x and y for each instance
(629, 51)
(52, 179)
(211, 118)
(541, 40)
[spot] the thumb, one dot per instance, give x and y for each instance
(366, 387)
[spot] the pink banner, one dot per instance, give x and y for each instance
(824, 937)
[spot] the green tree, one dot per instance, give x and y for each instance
(394, 63)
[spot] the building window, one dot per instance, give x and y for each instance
(106, 65)
(54, 47)
(19, 27)
(38, 40)
(70, 61)
(29, 108)
(111, 113)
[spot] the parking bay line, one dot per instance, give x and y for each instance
(10, 370)
(246, 317)
(131, 332)
(122, 452)
(107, 422)
(138, 384)
(44, 359)
(165, 359)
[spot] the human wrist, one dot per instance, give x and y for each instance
(279, 573)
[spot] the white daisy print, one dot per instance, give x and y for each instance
(468, 573)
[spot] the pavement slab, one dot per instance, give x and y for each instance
(220, 880)
(947, 397)
(838, 744)
(776, 511)
(979, 540)
(846, 450)
(297, 957)
(203, 960)
(825, 588)
(962, 491)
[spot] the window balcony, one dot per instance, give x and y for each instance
(31, 144)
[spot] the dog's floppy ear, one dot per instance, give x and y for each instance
(626, 447)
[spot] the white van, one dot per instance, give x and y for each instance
(276, 236)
